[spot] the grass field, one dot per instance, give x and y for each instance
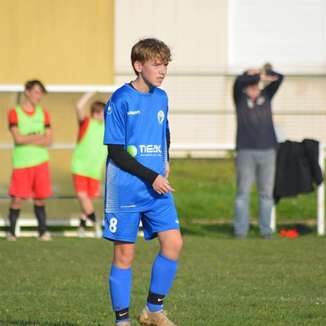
(221, 281)
(205, 190)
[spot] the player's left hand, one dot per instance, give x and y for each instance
(167, 169)
(161, 185)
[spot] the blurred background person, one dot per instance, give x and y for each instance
(30, 127)
(88, 159)
(256, 144)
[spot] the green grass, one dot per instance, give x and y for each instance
(205, 190)
(220, 281)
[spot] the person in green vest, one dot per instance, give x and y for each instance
(89, 158)
(30, 127)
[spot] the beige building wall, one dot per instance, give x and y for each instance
(197, 35)
(58, 41)
(200, 77)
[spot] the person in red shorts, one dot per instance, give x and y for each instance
(88, 159)
(30, 127)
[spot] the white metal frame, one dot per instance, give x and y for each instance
(17, 88)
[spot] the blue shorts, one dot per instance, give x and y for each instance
(124, 226)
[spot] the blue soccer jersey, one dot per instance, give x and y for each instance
(139, 122)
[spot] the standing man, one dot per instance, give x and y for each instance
(89, 158)
(137, 186)
(256, 144)
(30, 127)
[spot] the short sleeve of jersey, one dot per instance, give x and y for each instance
(83, 128)
(12, 118)
(115, 123)
(47, 119)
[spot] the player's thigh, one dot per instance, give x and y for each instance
(42, 181)
(94, 188)
(80, 183)
(21, 183)
(121, 226)
(161, 217)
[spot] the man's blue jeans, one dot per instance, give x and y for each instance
(254, 165)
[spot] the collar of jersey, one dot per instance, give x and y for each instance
(141, 93)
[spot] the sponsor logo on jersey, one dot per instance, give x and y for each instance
(132, 150)
(150, 149)
(144, 150)
(160, 116)
(109, 110)
(134, 112)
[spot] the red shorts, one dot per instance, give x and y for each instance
(90, 186)
(32, 182)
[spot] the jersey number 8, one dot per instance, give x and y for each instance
(113, 224)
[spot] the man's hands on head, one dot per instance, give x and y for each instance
(262, 73)
(268, 78)
(253, 71)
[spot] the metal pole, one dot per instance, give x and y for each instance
(321, 196)
(273, 219)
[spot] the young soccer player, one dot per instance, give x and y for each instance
(137, 186)
(30, 127)
(89, 157)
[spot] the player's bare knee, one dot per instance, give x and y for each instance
(123, 256)
(123, 260)
(172, 249)
(82, 195)
(16, 202)
(39, 202)
(180, 243)
(177, 245)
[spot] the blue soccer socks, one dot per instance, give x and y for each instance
(120, 281)
(163, 274)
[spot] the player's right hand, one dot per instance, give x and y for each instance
(161, 185)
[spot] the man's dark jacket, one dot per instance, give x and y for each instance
(297, 168)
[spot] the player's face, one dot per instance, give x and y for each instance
(34, 95)
(153, 72)
(98, 115)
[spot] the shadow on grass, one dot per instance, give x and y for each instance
(34, 323)
(225, 230)
(211, 230)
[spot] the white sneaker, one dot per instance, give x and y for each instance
(123, 323)
(45, 237)
(81, 233)
(11, 237)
